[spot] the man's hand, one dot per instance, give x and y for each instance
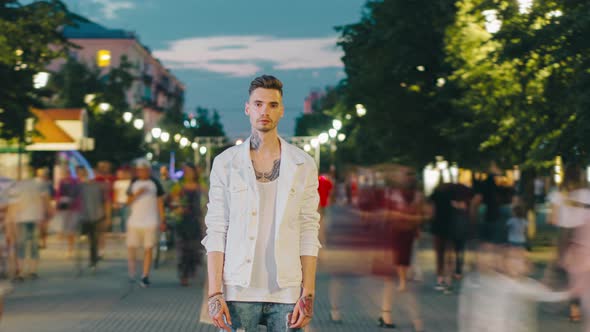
(302, 313)
(219, 312)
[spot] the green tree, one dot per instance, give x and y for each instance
(395, 63)
(29, 39)
(72, 86)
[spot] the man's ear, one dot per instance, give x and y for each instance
(246, 109)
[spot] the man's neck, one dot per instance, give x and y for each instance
(265, 142)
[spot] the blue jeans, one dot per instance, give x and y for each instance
(246, 316)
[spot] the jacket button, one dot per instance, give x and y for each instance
(254, 213)
(252, 238)
(248, 261)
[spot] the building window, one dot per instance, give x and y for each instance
(103, 58)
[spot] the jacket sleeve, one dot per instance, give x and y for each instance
(309, 216)
(217, 218)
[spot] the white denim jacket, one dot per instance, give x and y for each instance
(232, 216)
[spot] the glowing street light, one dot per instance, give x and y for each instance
(187, 124)
(40, 79)
(138, 124)
(184, 142)
(360, 110)
(203, 150)
(420, 68)
(524, 6)
(323, 138)
(156, 132)
(193, 123)
(440, 82)
(127, 117)
(165, 137)
(239, 142)
(337, 124)
(195, 145)
(177, 138)
(104, 107)
(554, 14)
(348, 117)
(492, 23)
(314, 142)
(341, 137)
(307, 147)
(333, 133)
(149, 156)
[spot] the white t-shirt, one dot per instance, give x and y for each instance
(120, 188)
(27, 201)
(263, 285)
(570, 207)
(144, 210)
(516, 230)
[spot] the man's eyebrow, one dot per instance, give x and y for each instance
(270, 102)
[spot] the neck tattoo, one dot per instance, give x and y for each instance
(270, 176)
(255, 141)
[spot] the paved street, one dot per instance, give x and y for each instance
(62, 301)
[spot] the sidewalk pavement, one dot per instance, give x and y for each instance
(105, 301)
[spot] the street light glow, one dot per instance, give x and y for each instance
(104, 107)
(156, 132)
(195, 145)
(421, 68)
(360, 110)
(323, 138)
(492, 23)
(337, 124)
(40, 80)
(333, 133)
(187, 124)
(127, 117)
(341, 137)
(314, 142)
(177, 138)
(149, 156)
(239, 142)
(307, 147)
(348, 117)
(554, 13)
(203, 150)
(165, 137)
(440, 82)
(193, 123)
(138, 124)
(184, 142)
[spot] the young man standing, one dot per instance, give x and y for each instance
(145, 199)
(262, 225)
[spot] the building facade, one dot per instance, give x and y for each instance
(155, 89)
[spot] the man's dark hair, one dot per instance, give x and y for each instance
(266, 82)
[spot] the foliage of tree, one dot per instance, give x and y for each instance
(395, 65)
(30, 38)
(80, 86)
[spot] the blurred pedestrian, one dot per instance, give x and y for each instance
(517, 227)
(68, 207)
(5, 185)
(324, 189)
(120, 187)
(146, 203)
(104, 175)
(406, 212)
(94, 204)
(185, 200)
(29, 206)
(168, 183)
(42, 177)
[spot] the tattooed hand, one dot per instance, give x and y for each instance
(303, 312)
(219, 312)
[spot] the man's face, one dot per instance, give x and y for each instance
(164, 172)
(143, 173)
(265, 109)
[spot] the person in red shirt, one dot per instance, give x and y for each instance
(325, 189)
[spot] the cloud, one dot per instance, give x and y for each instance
(246, 55)
(110, 8)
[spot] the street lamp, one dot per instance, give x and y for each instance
(307, 147)
(195, 145)
(341, 137)
(138, 124)
(177, 138)
(203, 150)
(193, 123)
(40, 80)
(156, 132)
(360, 110)
(104, 107)
(314, 142)
(323, 138)
(239, 142)
(333, 133)
(337, 124)
(184, 142)
(127, 117)
(165, 137)
(348, 116)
